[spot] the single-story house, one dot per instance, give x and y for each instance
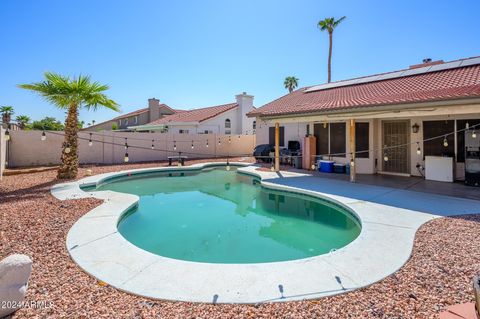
(390, 123)
(228, 118)
(153, 112)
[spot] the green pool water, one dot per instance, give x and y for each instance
(221, 216)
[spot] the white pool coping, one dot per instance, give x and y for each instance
(94, 243)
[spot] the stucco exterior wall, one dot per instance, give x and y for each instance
(27, 149)
(3, 151)
(216, 125)
(375, 162)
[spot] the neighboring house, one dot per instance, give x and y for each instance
(402, 107)
(153, 112)
(222, 119)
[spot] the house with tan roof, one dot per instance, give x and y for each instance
(153, 112)
(228, 118)
(414, 121)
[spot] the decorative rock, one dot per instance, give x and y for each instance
(14, 273)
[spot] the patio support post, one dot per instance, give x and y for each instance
(352, 152)
(277, 147)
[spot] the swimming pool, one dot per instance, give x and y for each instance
(220, 216)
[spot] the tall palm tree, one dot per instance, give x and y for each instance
(71, 94)
(290, 83)
(22, 121)
(7, 112)
(329, 24)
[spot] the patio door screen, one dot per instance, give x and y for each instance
(396, 133)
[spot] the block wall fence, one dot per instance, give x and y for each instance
(26, 148)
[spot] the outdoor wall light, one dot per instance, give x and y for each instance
(415, 128)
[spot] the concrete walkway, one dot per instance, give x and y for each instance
(410, 199)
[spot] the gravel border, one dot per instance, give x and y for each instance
(445, 258)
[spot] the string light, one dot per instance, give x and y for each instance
(474, 135)
(313, 167)
(126, 143)
(419, 151)
(272, 168)
(126, 158)
(174, 145)
(44, 136)
(445, 142)
(179, 163)
(385, 156)
(67, 150)
(229, 139)
(207, 144)
(7, 135)
(467, 125)
(153, 145)
(352, 160)
(219, 141)
(192, 145)
(90, 143)
(228, 165)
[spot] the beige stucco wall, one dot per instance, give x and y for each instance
(215, 124)
(27, 149)
(3, 150)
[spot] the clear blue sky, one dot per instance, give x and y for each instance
(200, 53)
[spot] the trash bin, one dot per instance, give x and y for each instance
(297, 162)
(339, 168)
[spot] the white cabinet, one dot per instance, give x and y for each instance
(438, 168)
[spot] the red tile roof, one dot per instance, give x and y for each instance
(195, 115)
(140, 111)
(449, 84)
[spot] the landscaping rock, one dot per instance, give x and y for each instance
(14, 273)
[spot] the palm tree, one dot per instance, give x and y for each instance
(329, 24)
(22, 121)
(290, 83)
(7, 112)
(71, 94)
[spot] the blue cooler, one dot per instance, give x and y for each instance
(326, 166)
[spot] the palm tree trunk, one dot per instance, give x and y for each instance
(330, 36)
(69, 166)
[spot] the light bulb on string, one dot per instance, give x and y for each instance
(207, 144)
(229, 139)
(90, 143)
(272, 168)
(192, 145)
(228, 165)
(467, 125)
(126, 158)
(153, 145)
(445, 142)
(352, 161)
(67, 150)
(174, 145)
(219, 141)
(7, 135)
(44, 136)
(385, 156)
(419, 151)
(126, 143)
(474, 135)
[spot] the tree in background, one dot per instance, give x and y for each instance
(7, 112)
(329, 24)
(114, 126)
(290, 83)
(22, 121)
(71, 94)
(47, 124)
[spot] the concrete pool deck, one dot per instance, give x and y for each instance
(384, 245)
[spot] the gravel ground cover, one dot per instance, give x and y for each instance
(446, 256)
